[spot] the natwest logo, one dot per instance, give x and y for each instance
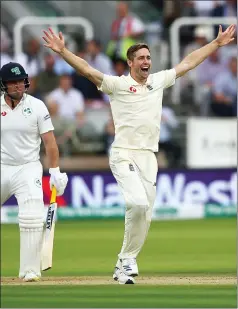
(3, 113)
(182, 189)
(132, 89)
(174, 190)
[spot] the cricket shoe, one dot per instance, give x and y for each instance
(122, 278)
(129, 267)
(30, 276)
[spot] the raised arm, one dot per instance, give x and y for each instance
(198, 56)
(57, 44)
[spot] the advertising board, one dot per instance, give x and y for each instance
(180, 194)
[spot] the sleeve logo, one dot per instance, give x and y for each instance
(47, 117)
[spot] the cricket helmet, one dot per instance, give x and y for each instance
(13, 71)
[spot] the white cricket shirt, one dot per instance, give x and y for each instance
(21, 128)
(137, 109)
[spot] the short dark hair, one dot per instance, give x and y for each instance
(96, 42)
(134, 48)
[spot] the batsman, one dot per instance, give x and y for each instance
(136, 104)
(25, 121)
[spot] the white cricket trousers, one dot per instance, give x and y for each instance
(22, 181)
(135, 172)
(25, 183)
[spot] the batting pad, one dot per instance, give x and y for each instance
(31, 221)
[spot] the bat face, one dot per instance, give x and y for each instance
(48, 240)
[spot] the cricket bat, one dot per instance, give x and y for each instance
(48, 240)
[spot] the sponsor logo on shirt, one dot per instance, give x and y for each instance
(132, 89)
(3, 113)
(27, 111)
(47, 117)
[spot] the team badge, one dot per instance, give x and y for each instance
(16, 70)
(38, 182)
(149, 87)
(27, 111)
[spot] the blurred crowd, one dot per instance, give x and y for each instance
(81, 114)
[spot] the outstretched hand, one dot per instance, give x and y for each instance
(56, 43)
(224, 38)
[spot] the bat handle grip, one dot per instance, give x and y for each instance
(53, 195)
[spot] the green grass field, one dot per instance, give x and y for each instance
(199, 249)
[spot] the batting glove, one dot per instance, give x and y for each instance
(58, 180)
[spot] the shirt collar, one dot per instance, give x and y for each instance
(134, 83)
(3, 101)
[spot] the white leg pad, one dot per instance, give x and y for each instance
(31, 222)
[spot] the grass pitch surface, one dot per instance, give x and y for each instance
(183, 264)
(118, 296)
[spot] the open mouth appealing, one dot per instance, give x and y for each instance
(145, 69)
